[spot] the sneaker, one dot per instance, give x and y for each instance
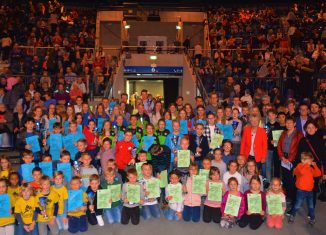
(312, 222)
(291, 219)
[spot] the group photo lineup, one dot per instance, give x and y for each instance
(184, 117)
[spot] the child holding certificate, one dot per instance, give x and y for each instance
(212, 205)
(113, 214)
(132, 197)
(77, 206)
(25, 211)
(174, 197)
(151, 186)
(184, 171)
(231, 214)
(192, 200)
(7, 218)
(276, 204)
(62, 191)
(47, 205)
(255, 201)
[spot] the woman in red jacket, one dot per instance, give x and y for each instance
(287, 148)
(254, 142)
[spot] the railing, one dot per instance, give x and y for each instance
(199, 85)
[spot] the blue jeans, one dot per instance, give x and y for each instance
(267, 166)
(61, 225)
(170, 214)
(77, 224)
(113, 215)
(191, 213)
(21, 231)
(150, 211)
(309, 196)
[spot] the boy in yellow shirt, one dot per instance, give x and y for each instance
(25, 211)
(47, 205)
(62, 191)
(77, 219)
(7, 218)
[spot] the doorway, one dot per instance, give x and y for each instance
(165, 89)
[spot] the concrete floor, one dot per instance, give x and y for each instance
(164, 227)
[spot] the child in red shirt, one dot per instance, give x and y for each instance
(305, 173)
(125, 154)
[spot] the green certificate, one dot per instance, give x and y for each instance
(163, 179)
(103, 198)
(232, 205)
(199, 184)
(133, 193)
(274, 205)
(115, 192)
(183, 158)
(215, 191)
(204, 172)
(216, 140)
(153, 187)
(254, 203)
(276, 136)
(175, 190)
(138, 169)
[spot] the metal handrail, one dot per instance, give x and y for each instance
(199, 83)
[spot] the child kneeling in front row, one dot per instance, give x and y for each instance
(113, 214)
(130, 209)
(77, 219)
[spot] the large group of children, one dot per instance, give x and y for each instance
(122, 183)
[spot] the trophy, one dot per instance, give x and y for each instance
(141, 120)
(77, 167)
(115, 129)
(95, 132)
(43, 202)
(235, 126)
(90, 197)
(266, 128)
(198, 140)
(38, 126)
(133, 151)
(175, 142)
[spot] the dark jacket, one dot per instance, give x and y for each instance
(318, 144)
(203, 145)
(161, 161)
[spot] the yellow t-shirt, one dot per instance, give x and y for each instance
(10, 219)
(79, 213)
(14, 192)
(63, 195)
(52, 198)
(26, 209)
(4, 174)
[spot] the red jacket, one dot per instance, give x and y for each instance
(123, 153)
(89, 135)
(305, 176)
(293, 146)
(260, 143)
